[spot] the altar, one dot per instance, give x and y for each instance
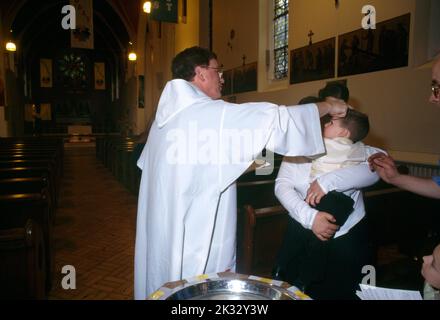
(79, 130)
(79, 133)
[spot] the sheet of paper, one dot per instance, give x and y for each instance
(376, 293)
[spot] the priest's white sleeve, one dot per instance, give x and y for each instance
(297, 131)
(290, 131)
(290, 197)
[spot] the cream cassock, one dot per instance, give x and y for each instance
(196, 150)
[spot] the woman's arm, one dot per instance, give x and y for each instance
(286, 190)
(349, 178)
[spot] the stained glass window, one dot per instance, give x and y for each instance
(281, 38)
(73, 71)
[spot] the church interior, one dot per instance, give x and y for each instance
(80, 81)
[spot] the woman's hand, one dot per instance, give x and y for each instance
(314, 194)
(324, 226)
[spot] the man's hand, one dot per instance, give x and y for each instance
(338, 108)
(333, 107)
(384, 166)
(314, 194)
(324, 227)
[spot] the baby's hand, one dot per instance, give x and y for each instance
(314, 194)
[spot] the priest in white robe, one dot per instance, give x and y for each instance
(197, 148)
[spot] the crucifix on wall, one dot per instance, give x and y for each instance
(310, 35)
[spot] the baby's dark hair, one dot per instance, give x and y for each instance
(336, 90)
(357, 123)
(309, 99)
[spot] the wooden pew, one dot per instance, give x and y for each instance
(29, 185)
(252, 177)
(17, 209)
(402, 218)
(261, 225)
(29, 145)
(116, 155)
(29, 163)
(26, 172)
(25, 185)
(23, 264)
(260, 235)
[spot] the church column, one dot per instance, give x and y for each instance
(140, 120)
(3, 122)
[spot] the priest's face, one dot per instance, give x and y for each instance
(209, 79)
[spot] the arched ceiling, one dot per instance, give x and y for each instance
(37, 24)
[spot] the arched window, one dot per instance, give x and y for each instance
(281, 39)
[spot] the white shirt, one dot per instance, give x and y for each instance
(293, 181)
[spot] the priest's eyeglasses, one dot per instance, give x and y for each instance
(218, 69)
(435, 87)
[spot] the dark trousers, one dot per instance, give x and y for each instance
(325, 270)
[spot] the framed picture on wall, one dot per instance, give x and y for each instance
(100, 76)
(46, 79)
(313, 62)
(385, 47)
(245, 78)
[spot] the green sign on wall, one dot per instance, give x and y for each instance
(165, 10)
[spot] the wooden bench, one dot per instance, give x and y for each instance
(116, 154)
(29, 163)
(17, 209)
(23, 263)
(261, 232)
(261, 225)
(27, 172)
(402, 218)
(30, 185)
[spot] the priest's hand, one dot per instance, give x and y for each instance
(324, 226)
(336, 108)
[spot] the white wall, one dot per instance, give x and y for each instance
(242, 17)
(158, 52)
(187, 34)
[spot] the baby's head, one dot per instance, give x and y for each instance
(431, 268)
(354, 126)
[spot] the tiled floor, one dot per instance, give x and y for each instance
(94, 231)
